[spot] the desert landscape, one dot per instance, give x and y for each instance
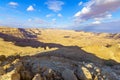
(59, 39)
(55, 54)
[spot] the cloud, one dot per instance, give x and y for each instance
(97, 9)
(13, 4)
(59, 15)
(112, 27)
(80, 3)
(99, 20)
(109, 27)
(55, 5)
(49, 15)
(53, 19)
(37, 20)
(108, 16)
(30, 8)
(96, 22)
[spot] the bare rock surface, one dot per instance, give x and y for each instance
(55, 68)
(37, 77)
(13, 75)
(68, 75)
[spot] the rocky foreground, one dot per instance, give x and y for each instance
(56, 65)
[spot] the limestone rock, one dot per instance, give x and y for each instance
(36, 68)
(8, 67)
(48, 73)
(37, 77)
(25, 75)
(87, 73)
(13, 75)
(18, 65)
(2, 71)
(80, 74)
(68, 75)
(90, 65)
(110, 75)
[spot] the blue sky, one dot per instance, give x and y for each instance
(88, 15)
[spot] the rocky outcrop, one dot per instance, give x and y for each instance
(117, 36)
(20, 32)
(55, 68)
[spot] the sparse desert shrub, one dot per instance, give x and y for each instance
(108, 45)
(66, 36)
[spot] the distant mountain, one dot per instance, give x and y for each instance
(32, 33)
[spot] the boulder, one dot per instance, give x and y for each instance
(87, 73)
(25, 75)
(2, 71)
(18, 65)
(37, 77)
(48, 73)
(90, 65)
(13, 75)
(36, 68)
(109, 74)
(8, 67)
(68, 74)
(80, 74)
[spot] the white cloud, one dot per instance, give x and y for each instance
(96, 22)
(80, 3)
(36, 20)
(13, 4)
(83, 11)
(59, 15)
(97, 9)
(112, 27)
(49, 15)
(108, 16)
(53, 19)
(30, 8)
(54, 5)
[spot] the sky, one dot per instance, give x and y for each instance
(87, 15)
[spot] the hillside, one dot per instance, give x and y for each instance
(60, 52)
(103, 45)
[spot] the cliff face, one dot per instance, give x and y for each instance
(11, 31)
(18, 32)
(52, 54)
